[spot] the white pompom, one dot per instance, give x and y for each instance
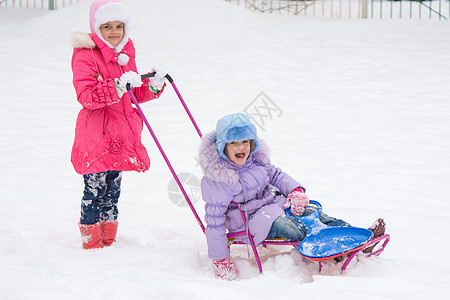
(123, 59)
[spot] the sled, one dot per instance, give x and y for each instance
(233, 238)
(324, 242)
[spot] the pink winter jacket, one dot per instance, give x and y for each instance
(108, 129)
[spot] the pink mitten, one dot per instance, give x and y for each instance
(225, 268)
(298, 201)
(287, 204)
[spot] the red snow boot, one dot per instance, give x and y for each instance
(91, 236)
(109, 232)
(378, 228)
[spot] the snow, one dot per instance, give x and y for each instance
(360, 117)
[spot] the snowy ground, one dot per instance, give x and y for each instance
(361, 118)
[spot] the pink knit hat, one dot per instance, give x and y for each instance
(103, 11)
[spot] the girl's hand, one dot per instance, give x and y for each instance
(157, 81)
(131, 77)
(298, 200)
(225, 268)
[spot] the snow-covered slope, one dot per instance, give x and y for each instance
(360, 116)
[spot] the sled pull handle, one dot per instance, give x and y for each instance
(169, 78)
(144, 76)
(148, 75)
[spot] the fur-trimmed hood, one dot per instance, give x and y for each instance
(82, 40)
(90, 41)
(223, 170)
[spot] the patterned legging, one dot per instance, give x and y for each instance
(100, 197)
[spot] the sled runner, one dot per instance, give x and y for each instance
(321, 243)
(324, 242)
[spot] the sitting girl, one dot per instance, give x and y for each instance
(237, 169)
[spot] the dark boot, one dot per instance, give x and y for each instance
(378, 228)
(340, 258)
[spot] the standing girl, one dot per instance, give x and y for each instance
(108, 128)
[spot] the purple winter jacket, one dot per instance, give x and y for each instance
(258, 187)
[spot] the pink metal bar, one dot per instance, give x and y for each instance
(133, 98)
(184, 104)
(386, 239)
(252, 243)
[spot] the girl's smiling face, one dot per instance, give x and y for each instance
(238, 151)
(113, 32)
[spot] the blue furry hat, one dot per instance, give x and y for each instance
(232, 128)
